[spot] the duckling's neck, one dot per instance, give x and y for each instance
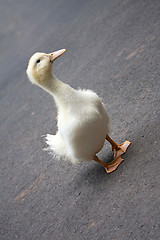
(60, 91)
(54, 86)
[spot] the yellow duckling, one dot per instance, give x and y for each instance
(83, 122)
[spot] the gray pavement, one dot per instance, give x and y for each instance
(113, 48)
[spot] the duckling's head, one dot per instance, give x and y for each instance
(39, 68)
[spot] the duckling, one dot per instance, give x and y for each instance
(82, 121)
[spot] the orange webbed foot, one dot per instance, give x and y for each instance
(112, 166)
(121, 149)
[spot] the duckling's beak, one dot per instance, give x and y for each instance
(54, 55)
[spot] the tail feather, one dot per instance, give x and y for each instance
(56, 144)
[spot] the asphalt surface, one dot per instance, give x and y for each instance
(113, 48)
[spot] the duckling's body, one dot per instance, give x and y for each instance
(82, 121)
(83, 124)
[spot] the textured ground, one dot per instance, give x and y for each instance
(113, 48)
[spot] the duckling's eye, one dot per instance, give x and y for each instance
(38, 61)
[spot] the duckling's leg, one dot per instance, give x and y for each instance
(111, 166)
(119, 149)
